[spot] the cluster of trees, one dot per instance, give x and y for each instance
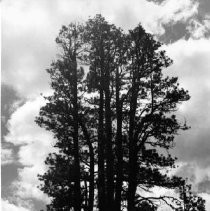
(112, 116)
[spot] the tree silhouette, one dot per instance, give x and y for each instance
(114, 123)
(191, 202)
(60, 115)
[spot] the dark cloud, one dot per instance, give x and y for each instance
(195, 176)
(204, 8)
(204, 186)
(8, 97)
(194, 147)
(174, 32)
(8, 174)
(10, 101)
(156, 1)
(184, 29)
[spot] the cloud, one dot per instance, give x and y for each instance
(198, 29)
(6, 156)
(21, 125)
(204, 7)
(196, 175)
(171, 12)
(206, 197)
(29, 31)
(192, 65)
(35, 144)
(9, 102)
(7, 206)
(28, 47)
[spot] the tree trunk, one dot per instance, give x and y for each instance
(101, 176)
(119, 152)
(77, 191)
(86, 194)
(132, 150)
(132, 178)
(109, 151)
(91, 187)
(91, 177)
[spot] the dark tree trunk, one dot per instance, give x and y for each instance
(132, 178)
(91, 177)
(109, 151)
(91, 187)
(86, 194)
(132, 149)
(119, 152)
(101, 176)
(77, 191)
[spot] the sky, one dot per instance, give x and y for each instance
(28, 47)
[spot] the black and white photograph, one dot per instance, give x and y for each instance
(105, 105)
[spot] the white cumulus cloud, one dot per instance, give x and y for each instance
(192, 66)
(35, 143)
(8, 206)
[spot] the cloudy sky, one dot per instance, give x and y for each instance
(29, 29)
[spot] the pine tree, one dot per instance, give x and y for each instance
(191, 202)
(60, 115)
(114, 123)
(105, 45)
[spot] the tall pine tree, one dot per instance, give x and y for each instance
(113, 123)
